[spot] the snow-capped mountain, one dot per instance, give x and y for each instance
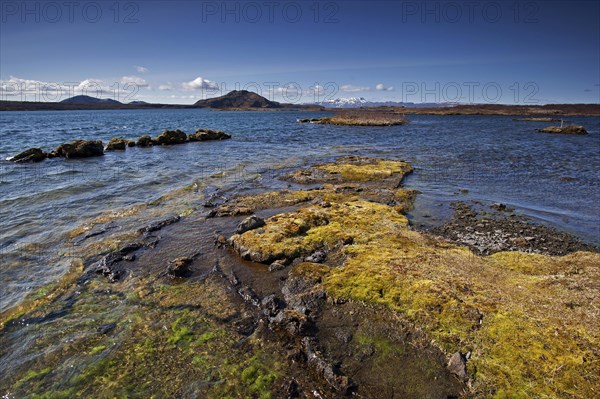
(358, 102)
(352, 102)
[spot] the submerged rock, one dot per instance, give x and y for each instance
(117, 144)
(569, 129)
(154, 226)
(179, 267)
(144, 141)
(30, 155)
(80, 149)
(207, 134)
(250, 223)
(170, 137)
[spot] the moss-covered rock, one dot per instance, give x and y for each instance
(528, 321)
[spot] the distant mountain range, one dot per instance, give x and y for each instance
(246, 100)
(358, 102)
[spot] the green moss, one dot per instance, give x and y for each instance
(528, 320)
(367, 170)
(97, 349)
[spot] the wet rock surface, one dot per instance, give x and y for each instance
(117, 144)
(208, 134)
(250, 223)
(80, 149)
(170, 137)
(487, 232)
(30, 155)
(144, 141)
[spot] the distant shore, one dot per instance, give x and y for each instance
(475, 109)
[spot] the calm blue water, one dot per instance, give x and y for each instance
(553, 178)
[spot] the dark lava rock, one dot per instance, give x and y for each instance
(250, 223)
(159, 225)
(221, 241)
(170, 137)
(207, 134)
(108, 266)
(179, 267)
(106, 328)
(291, 389)
(504, 231)
(30, 155)
(117, 144)
(80, 149)
(271, 305)
(292, 322)
(277, 265)
(130, 143)
(317, 257)
(324, 369)
(569, 129)
(144, 141)
(501, 207)
(457, 365)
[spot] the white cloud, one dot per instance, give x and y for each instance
(351, 88)
(381, 87)
(18, 89)
(134, 80)
(141, 69)
(200, 84)
(165, 87)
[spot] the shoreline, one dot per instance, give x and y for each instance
(547, 111)
(297, 311)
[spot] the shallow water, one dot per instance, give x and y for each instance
(553, 178)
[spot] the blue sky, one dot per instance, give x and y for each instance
(522, 52)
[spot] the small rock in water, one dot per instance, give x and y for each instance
(457, 365)
(106, 328)
(116, 144)
(250, 223)
(29, 155)
(179, 267)
(277, 265)
(144, 141)
(80, 149)
(170, 137)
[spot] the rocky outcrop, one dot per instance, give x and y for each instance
(207, 134)
(170, 137)
(80, 149)
(457, 365)
(92, 148)
(570, 129)
(117, 144)
(30, 155)
(144, 141)
(250, 223)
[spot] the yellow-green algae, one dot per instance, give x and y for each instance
(531, 322)
(169, 341)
